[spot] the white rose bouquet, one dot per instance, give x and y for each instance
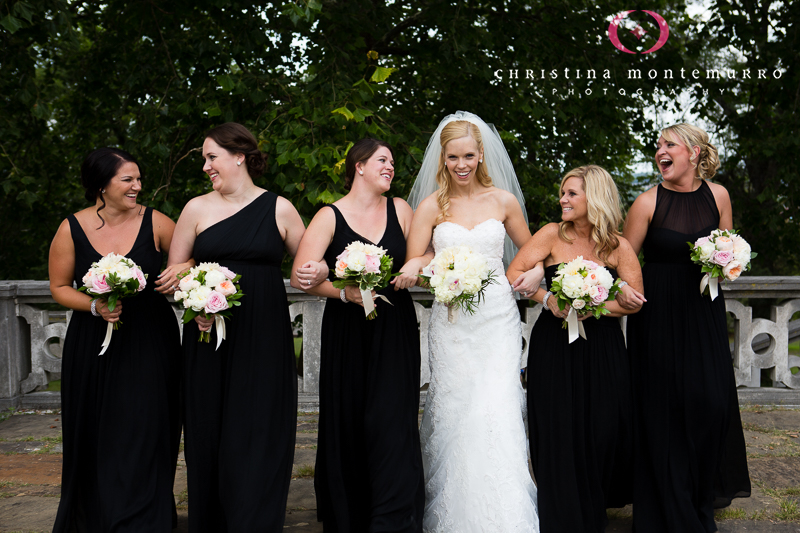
(209, 290)
(366, 266)
(458, 277)
(586, 287)
(723, 254)
(113, 277)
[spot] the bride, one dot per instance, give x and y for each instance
(473, 434)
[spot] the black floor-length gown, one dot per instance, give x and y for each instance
(121, 409)
(369, 464)
(241, 400)
(684, 389)
(580, 421)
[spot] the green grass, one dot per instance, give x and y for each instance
(305, 471)
(298, 345)
(730, 514)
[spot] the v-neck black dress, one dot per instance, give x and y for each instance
(121, 409)
(369, 466)
(241, 400)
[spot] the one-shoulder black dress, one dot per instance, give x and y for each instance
(241, 400)
(369, 464)
(121, 409)
(580, 421)
(684, 388)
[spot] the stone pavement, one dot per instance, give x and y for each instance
(30, 476)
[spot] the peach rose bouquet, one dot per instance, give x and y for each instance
(586, 287)
(368, 267)
(723, 254)
(209, 289)
(111, 278)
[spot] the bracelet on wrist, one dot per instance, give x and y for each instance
(622, 284)
(342, 296)
(547, 295)
(94, 308)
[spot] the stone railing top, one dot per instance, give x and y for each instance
(38, 291)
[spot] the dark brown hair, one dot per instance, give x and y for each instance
(237, 139)
(97, 170)
(359, 153)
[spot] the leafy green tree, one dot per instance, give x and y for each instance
(309, 78)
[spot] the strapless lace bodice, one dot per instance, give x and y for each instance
(486, 238)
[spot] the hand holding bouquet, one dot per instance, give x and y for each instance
(366, 266)
(113, 277)
(723, 254)
(209, 290)
(458, 277)
(586, 287)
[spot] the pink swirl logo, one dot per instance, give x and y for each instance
(639, 32)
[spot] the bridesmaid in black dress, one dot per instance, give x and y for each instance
(684, 389)
(369, 467)
(121, 410)
(580, 417)
(240, 400)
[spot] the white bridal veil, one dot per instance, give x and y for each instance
(498, 166)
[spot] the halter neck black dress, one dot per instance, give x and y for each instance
(121, 409)
(684, 387)
(580, 421)
(241, 400)
(369, 464)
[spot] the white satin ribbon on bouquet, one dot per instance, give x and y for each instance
(107, 340)
(452, 314)
(712, 283)
(219, 323)
(574, 326)
(369, 305)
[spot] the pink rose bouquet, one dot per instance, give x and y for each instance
(723, 254)
(366, 266)
(209, 289)
(586, 287)
(111, 278)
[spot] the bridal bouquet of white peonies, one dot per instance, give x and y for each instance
(209, 289)
(366, 266)
(113, 277)
(457, 277)
(586, 287)
(723, 254)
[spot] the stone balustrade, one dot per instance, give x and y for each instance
(32, 334)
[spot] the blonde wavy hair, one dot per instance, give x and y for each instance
(457, 129)
(603, 206)
(707, 163)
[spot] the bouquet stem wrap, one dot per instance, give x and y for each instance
(574, 326)
(452, 314)
(713, 285)
(369, 305)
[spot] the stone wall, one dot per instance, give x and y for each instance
(31, 338)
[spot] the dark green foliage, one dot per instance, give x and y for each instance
(311, 77)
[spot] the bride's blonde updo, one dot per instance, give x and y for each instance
(707, 163)
(457, 129)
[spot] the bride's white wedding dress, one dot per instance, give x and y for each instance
(474, 447)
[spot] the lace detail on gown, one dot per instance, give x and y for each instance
(473, 434)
